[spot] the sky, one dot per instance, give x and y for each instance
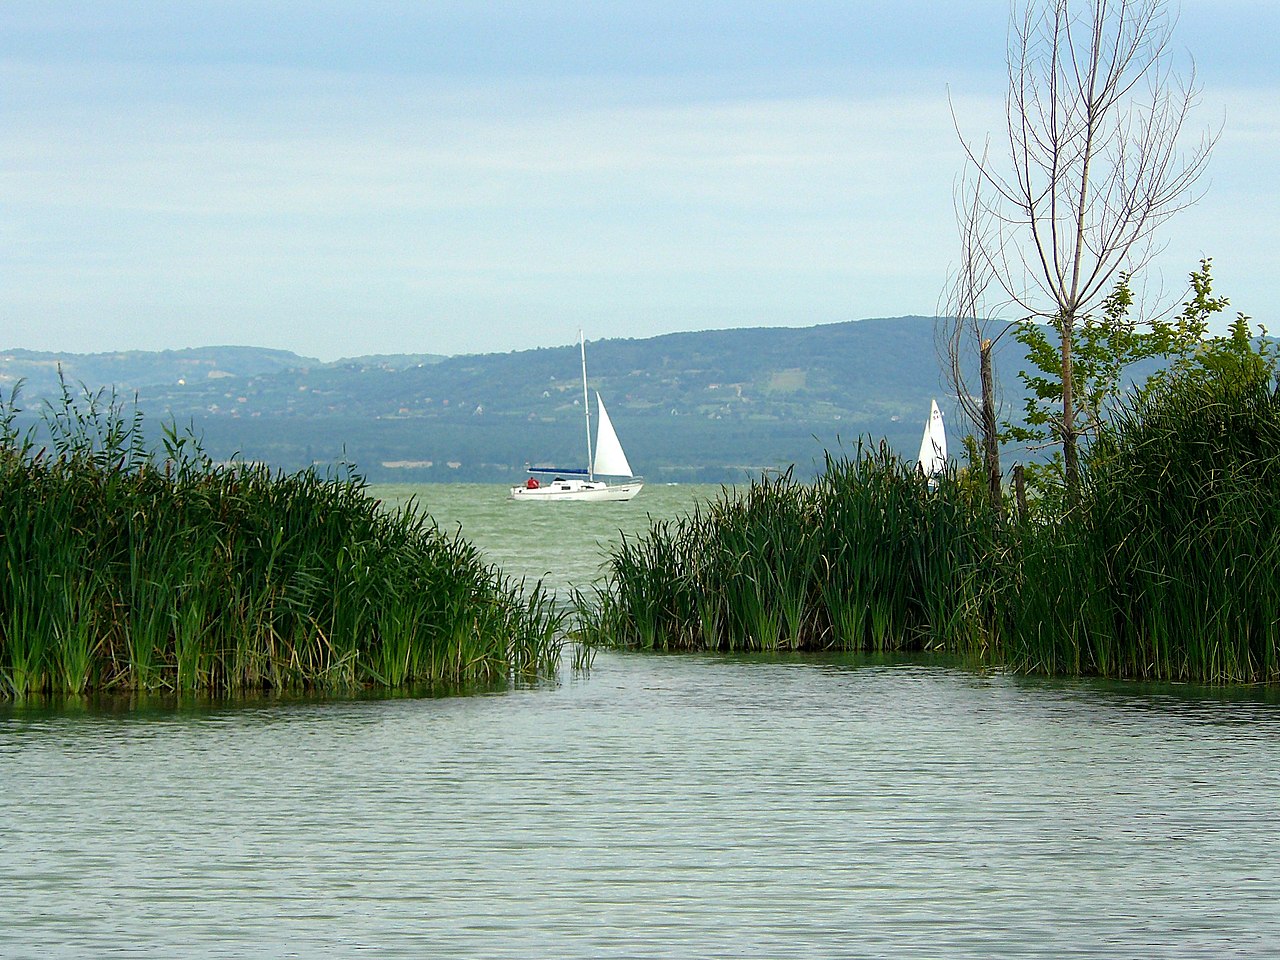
(471, 176)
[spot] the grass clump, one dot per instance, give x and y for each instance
(870, 556)
(123, 570)
(1166, 568)
(1162, 565)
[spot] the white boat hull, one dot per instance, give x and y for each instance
(557, 491)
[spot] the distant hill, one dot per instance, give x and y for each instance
(710, 406)
(133, 370)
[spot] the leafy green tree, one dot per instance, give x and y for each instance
(1104, 349)
(1239, 356)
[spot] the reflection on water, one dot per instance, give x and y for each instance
(663, 806)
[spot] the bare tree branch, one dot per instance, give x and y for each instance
(1093, 164)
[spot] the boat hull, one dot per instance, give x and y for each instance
(568, 491)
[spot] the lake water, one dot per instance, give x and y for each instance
(562, 544)
(659, 806)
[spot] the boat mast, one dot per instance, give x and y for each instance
(586, 406)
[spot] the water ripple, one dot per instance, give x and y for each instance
(661, 807)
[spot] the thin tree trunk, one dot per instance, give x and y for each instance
(990, 443)
(1069, 453)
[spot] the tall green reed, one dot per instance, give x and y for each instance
(124, 569)
(1166, 567)
(870, 556)
(1163, 566)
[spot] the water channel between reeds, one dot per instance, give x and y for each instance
(562, 544)
(658, 806)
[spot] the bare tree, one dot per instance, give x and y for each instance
(1095, 115)
(968, 330)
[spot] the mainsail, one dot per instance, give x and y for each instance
(610, 460)
(933, 445)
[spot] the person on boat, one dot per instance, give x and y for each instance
(532, 483)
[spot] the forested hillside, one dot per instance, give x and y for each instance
(712, 406)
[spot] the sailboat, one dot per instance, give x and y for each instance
(933, 445)
(577, 484)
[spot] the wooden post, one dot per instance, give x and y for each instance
(1020, 489)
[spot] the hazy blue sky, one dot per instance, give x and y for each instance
(342, 178)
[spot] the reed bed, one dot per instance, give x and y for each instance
(123, 570)
(1163, 566)
(871, 556)
(1167, 568)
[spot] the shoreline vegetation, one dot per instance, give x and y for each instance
(121, 570)
(1161, 566)
(126, 570)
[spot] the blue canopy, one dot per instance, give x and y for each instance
(571, 472)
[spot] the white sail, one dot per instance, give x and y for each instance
(933, 445)
(610, 460)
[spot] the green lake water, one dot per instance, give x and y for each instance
(658, 806)
(562, 544)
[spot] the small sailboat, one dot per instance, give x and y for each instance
(933, 445)
(577, 484)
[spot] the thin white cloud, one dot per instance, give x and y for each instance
(346, 210)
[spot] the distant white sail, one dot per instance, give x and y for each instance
(933, 445)
(610, 460)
